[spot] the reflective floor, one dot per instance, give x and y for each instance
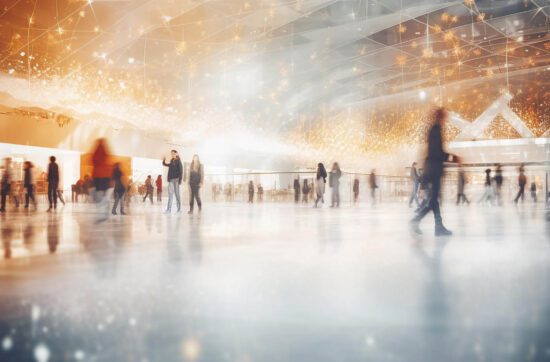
(275, 282)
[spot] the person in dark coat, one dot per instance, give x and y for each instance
(53, 183)
(158, 183)
(296, 190)
(319, 182)
(433, 171)
(28, 184)
(196, 179)
(522, 181)
(175, 175)
(373, 186)
(250, 191)
(355, 190)
(6, 182)
(148, 189)
(499, 180)
(120, 189)
(305, 192)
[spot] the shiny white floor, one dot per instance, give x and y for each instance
(276, 282)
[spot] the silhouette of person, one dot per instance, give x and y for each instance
(433, 171)
(334, 183)
(53, 183)
(460, 195)
(296, 190)
(522, 181)
(196, 179)
(355, 190)
(320, 181)
(175, 175)
(415, 179)
(250, 191)
(119, 189)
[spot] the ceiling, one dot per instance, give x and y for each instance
(295, 69)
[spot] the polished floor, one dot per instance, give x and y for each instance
(275, 282)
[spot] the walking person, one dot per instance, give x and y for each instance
(522, 181)
(373, 185)
(355, 190)
(305, 192)
(415, 179)
(6, 182)
(250, 192)
(158, 184)
(148, 189)
(196, 178)
(119, 189)
(101, 175)
(433, 172)
(499, 180)
(334, 183)
(320, 181)
(175, 174)
(534, 191)
(28, 184)
(260, 193)
(53, 183)
(488, 192)
(460, 195)
(296, 190)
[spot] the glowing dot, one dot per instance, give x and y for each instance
(370, 342)
(190, 349)
(35, 312)
(7, 343)
(131, 60)
(42, 353)
(79, 355)
(11, 71)
(22, 54)
(132, 321)
(422, 95)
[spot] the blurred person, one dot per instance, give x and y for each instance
(305, 192)
(6, 182)
(196, 178)
(461, 196)
(175, 175)
(373, 185)
(355, 190)
(76, 190)
(488, 191)
(53, 183)
(60, 196)
(148, 189)
(534, 191)
(86, 186)
(415, 184)
(296, 190)
(320, 181)
(101, 174)
(433, 171)
(28, 184)
(130, 192)
(158, 184)
(334, 183)
(119, 189)
(250, 192)
(499, 180)
(260, 193)
(522, 181)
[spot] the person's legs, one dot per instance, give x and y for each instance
(198, 197)
(191, 198)
(337, 191)
(176, 189)
(5, 192)
(170, 196)
(115, 205)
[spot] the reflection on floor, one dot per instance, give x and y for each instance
(275, 283)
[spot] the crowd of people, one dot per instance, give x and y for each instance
(111, 190)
